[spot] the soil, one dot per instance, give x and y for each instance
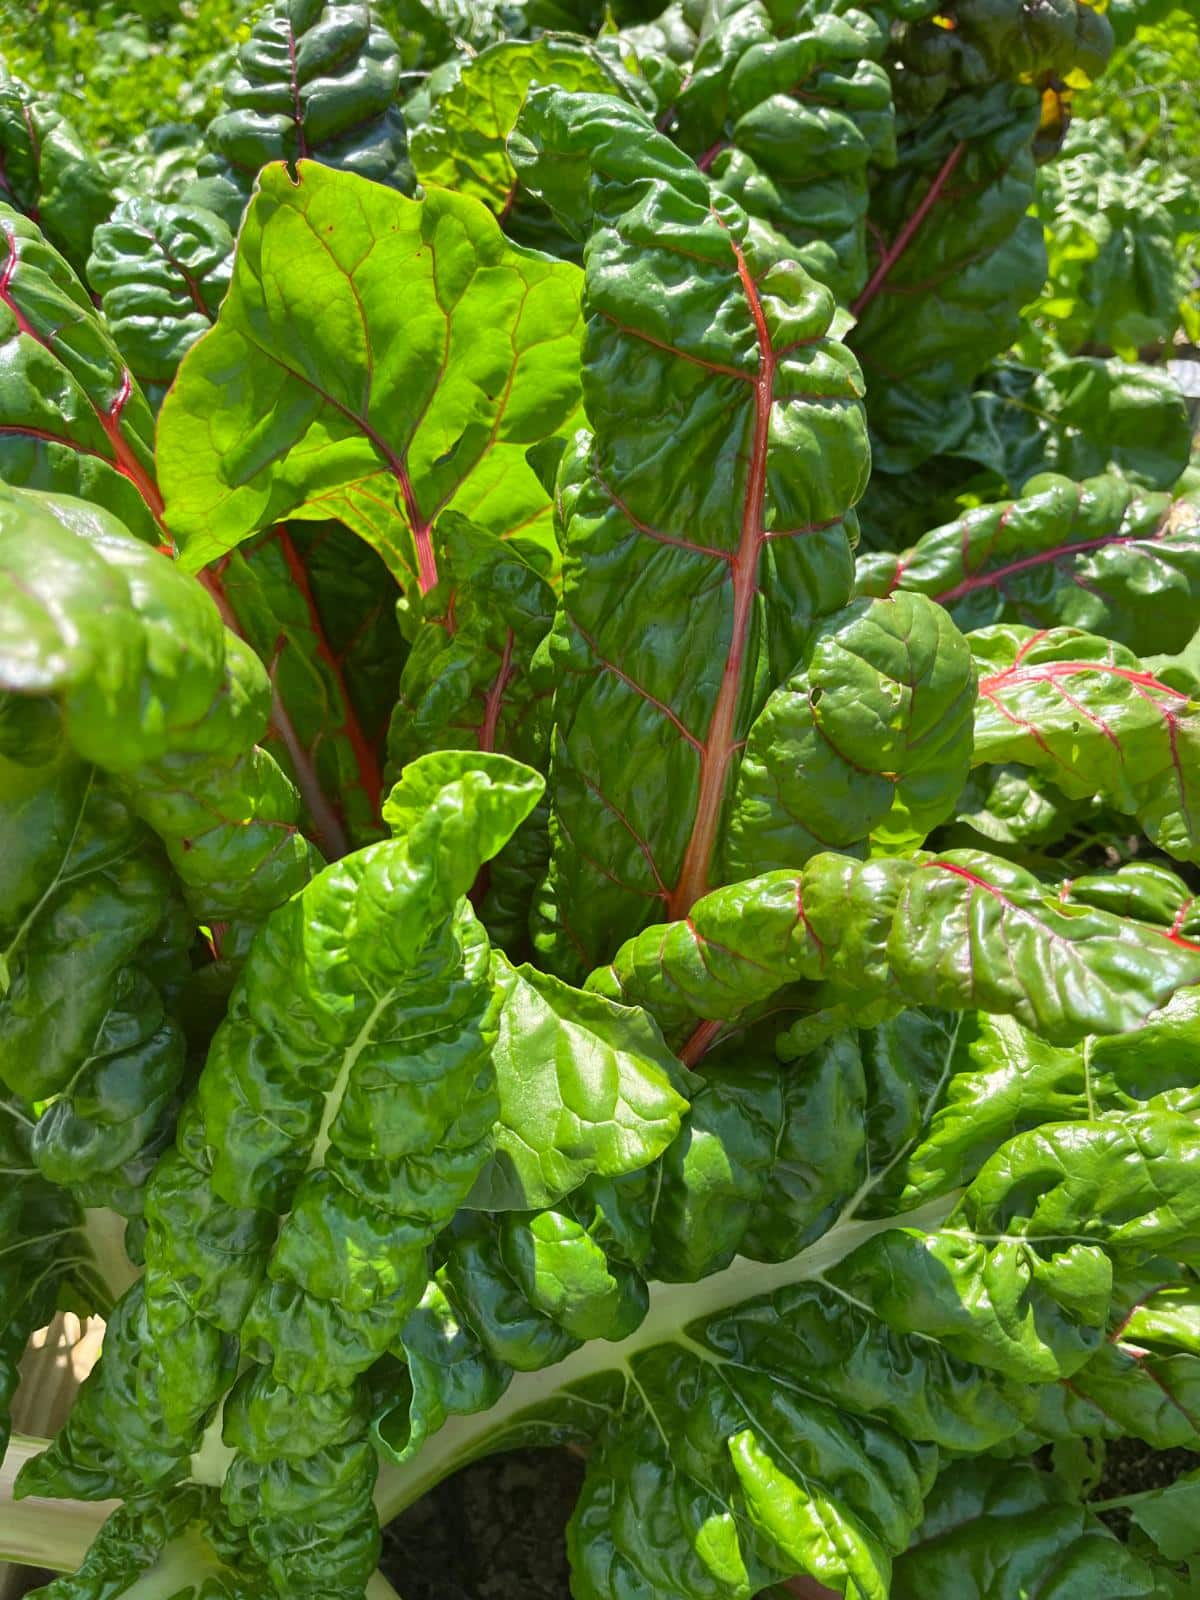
(494, 1531)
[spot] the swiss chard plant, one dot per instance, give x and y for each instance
(599, 812)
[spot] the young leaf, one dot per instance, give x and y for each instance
(1096, 555)
(585, 1086)
(1087, 714)
(872, 732)
(441, 354)
(462, 145)
(728, 448)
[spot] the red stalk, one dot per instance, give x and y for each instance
(905, 237)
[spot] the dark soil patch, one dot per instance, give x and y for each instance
(494, 1531)
(1131, 1467)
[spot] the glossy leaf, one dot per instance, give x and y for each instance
(161, 272)
(46, 171)
(585, 1086)
(348, 1092)
(313, 81)
(784, 1419)
(72, 418)
(872, 733)
(442, 353)
(994, 1529)
(728, 445)
(1095, 555)
(154, 691)
(961, 931)
(789, 112)
(1088, 715)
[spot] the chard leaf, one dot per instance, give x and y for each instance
(871, 734)
(72, 418)
(585, 1086)
(788, 113)
(348, 1096)
(1087, 714)
(313, 81)
(397, 358)
(467, 682)
(48, 173)
(728, 448)
(463, 143)
(963, 931)
(1096, 555)
(318, 607)
(789, 1418)
(1004, 1530)
(957, 248)
(1080, 417)
(161, 272)
(154, 691)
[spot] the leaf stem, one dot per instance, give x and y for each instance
(905, 237)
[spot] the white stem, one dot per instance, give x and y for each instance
(673, 1306)
(105, 1234)
(44, 1533)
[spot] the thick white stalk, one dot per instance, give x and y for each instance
(44, 1533)
(673, 1306)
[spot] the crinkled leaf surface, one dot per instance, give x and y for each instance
(46, 171)
(585, 1086)
(728, 447)
(963, 931)
(1088, 715)
(757, 1425)
(872, 733)
(161, 272)
(1096, 555)
(441, 353)
(72, 418)
(314, 81)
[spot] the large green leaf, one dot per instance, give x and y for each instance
(72, 418)
(789, 111)
(396, 358)
(1096, 555)
(713, 496)
(788, 1418)
(343, 1113)
(154, 691)
(962, 931)
(1087, 714)
(1001, 1531)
